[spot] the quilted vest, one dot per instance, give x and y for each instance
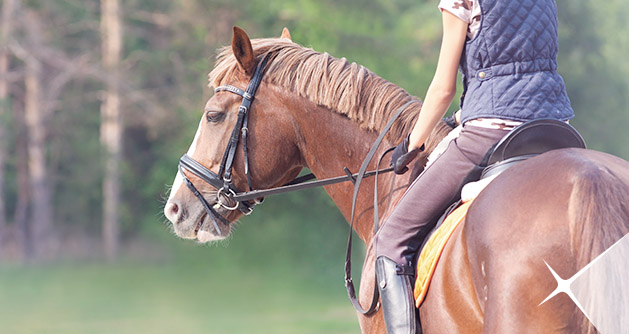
(510, 68)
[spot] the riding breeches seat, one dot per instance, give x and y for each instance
(401, 234)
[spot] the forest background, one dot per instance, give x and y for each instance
(99, 99)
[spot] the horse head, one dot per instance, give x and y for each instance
(279, 107)
(222, 138)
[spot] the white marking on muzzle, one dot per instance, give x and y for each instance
(178, 178)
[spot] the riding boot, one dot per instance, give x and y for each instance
(396, 297)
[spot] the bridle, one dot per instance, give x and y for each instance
(227, 192)
(231, 199)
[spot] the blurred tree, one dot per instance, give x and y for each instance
(592, 48)
(21, 239)
(111, 124)
(167, 50)
(41, 224)
(42, 63)
(8, 7)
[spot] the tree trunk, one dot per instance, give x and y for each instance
(111, 125)
(21, 217)
(41, 223)
(8, 7)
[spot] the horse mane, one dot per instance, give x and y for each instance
(347, 88)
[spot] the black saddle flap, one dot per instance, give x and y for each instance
(536, 137)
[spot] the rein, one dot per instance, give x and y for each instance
(231, 199)
(349, 283)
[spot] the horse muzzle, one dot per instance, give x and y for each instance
(194, 221)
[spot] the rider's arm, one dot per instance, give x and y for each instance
(443, 86)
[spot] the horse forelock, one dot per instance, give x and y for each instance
(347, 88)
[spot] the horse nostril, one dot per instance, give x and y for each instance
(172, 211)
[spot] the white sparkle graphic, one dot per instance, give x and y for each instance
(601, 289)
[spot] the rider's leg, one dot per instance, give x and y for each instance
(398, 239)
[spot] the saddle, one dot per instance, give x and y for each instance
(525, 141)
(530, 139)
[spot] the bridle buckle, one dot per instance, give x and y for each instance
(220, 194)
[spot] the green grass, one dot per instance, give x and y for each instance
(277, 274)
(187, 289)
(167, 298)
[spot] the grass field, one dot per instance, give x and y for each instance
(136, 297)
(140, 298)
(187, 289)
(277, 274)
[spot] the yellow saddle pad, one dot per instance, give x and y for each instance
(432, 251)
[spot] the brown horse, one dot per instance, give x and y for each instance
(314, 111)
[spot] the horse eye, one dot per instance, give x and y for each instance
(214, 116)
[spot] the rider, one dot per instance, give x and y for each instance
(507, 53)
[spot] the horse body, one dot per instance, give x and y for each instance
(492, 274)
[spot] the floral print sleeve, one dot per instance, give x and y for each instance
(466, 10)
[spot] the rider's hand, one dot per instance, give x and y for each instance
(401, 157)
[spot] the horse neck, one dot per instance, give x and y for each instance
(328, 142)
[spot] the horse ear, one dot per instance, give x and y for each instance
(286, 34)
(241, 46)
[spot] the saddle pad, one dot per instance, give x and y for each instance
(432, 251)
